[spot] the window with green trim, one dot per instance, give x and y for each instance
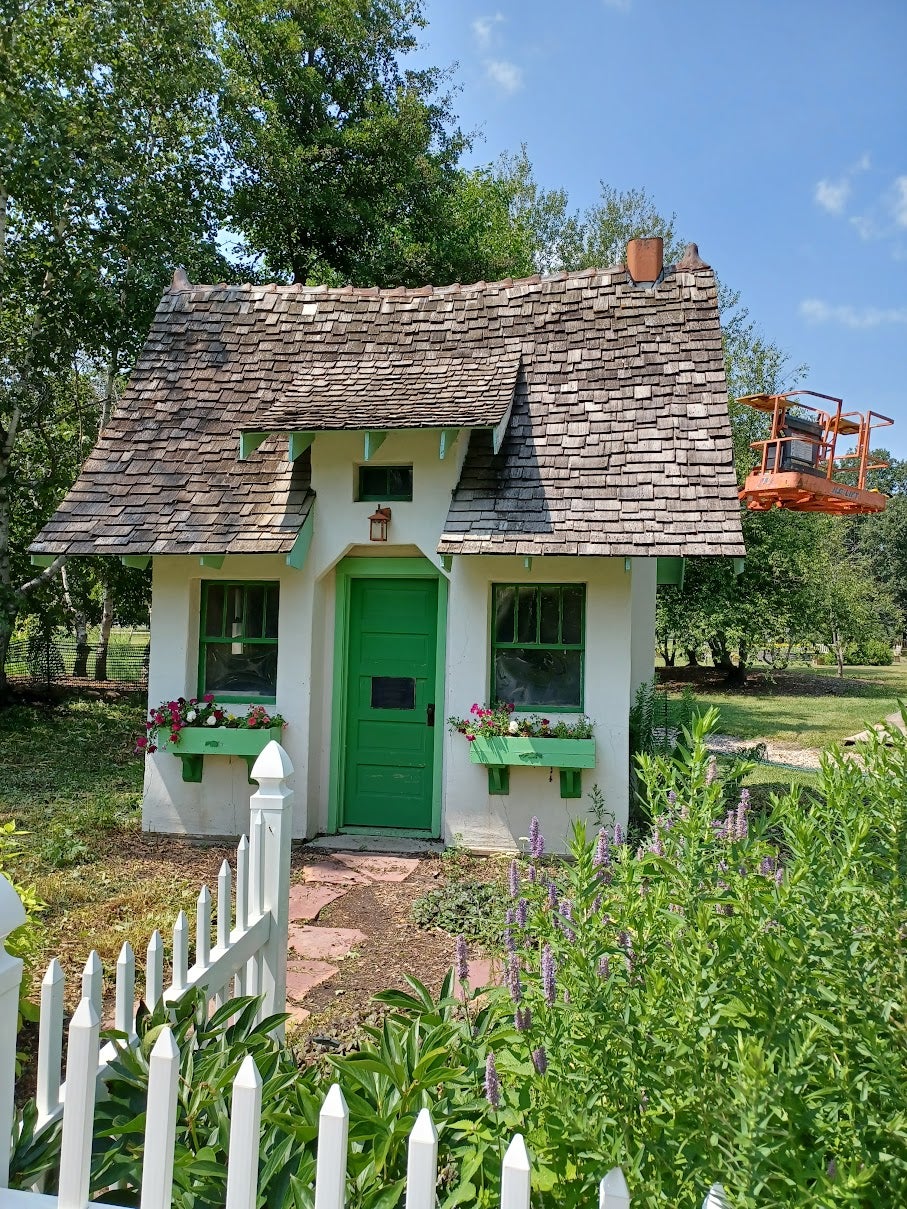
(238, 640)
(382, 484)
(537, 645)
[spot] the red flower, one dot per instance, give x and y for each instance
(151, 748)
(174, 736)
(471, 738)
(141, 744)
(209, 697)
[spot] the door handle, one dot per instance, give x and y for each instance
(430, 714)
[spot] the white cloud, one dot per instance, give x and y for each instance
(483, 29)
(899, 201)
(864, 226)
(832, 195)
(505, 74)
(858, 318)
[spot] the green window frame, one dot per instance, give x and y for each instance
(538, 646)
(384, 484)
(237, 643)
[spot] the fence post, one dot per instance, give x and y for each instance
(12, 914)
(613, 1192)
(273, 803)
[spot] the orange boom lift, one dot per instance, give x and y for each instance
(800, 459)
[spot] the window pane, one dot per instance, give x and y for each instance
(400, 483)
(504, 603)
(241, 668)
(526, 617)
(550, 622)
(532, 678)
(255, 608)
(393, 692)
(272, 611)
(573, 614)
(214, 610)
(372, 482)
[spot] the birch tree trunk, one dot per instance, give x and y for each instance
(100, 662)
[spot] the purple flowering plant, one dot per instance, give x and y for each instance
(658, 1030)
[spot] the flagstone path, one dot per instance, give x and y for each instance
(315, 951)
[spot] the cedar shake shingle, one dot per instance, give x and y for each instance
(618, 441)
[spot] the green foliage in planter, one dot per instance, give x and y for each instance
(469, 908)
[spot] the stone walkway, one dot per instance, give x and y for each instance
(315, 951)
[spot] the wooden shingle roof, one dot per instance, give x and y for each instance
(618, 441)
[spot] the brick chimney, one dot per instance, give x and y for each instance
(645, 259)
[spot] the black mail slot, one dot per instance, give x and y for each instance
(393, 692)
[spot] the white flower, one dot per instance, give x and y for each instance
(514, 727)
(212, 721)
(191, 715)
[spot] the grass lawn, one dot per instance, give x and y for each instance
(69, 779)
(800, 707)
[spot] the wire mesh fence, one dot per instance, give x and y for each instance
(43, 660)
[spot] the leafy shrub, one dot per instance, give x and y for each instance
(25, 941)
(63, 847)
(469, 908)
(871, 652)
(724, 1002)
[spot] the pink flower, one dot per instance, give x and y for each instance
(471, 738)
(209, 697)
(141, 744)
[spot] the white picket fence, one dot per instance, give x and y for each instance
(249, 958)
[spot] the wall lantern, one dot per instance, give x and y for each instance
(377, 524)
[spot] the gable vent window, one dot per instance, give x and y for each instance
(381, 484)
(537, 642)
(238, 640)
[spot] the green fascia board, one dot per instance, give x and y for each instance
(448, 440)
(212, 560)
(42, 560)
(138, 562)
(541, 753)
(249, 442)
(445, 561)
(300, 549)
(373, 442)
(298, 443)
(670, 572)
(739, 564)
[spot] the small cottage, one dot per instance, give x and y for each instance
(369, 509)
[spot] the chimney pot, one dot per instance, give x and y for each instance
(645, 258)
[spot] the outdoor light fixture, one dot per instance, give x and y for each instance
(378, 522)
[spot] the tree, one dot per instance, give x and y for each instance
(338, 159)
(108, 180)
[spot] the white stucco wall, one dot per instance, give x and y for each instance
(619, 626)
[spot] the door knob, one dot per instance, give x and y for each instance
(430, 714)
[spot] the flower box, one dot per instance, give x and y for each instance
(196, 742)
(498, 752)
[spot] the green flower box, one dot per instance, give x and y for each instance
(196, 742)
(569, 756)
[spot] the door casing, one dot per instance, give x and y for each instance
(381, 568)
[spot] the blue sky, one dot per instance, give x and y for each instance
(776, 131)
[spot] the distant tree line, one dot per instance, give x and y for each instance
(251, 140)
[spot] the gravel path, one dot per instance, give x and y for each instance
(783, 757)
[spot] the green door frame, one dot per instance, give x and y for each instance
(381, 568)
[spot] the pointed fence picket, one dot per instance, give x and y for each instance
(250, 954)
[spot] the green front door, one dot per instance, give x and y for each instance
(390, 717)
